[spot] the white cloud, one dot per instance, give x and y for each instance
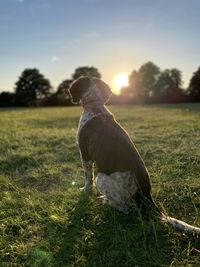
(19, 1)
(55, 59)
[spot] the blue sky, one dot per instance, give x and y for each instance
(115, 36)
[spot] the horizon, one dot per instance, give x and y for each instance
(112, 36)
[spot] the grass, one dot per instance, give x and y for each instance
(46, 221)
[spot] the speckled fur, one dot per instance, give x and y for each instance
(117, 189)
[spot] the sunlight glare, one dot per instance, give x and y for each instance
(121, 80)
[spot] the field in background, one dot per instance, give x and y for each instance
(46, 221)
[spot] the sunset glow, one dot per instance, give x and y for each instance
(127, 37)
(120, 81)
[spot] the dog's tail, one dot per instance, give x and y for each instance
(180, 224)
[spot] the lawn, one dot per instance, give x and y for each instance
(46, 221)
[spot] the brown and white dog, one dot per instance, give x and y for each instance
(121, 172)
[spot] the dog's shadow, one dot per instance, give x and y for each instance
(75, 231)
(98, 235)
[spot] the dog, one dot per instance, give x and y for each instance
(121, 173)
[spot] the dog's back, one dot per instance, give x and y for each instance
(105, 142)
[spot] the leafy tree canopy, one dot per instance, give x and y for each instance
(32, 87)
(62, 90)
(86, 71)
(142, 82)
(194, 86)
(168, 83)
(148, 75)
(150, 83)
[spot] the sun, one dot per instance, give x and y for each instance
(120, 81)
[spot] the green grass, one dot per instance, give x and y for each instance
(46, 221)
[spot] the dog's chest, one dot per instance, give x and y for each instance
(86, 116)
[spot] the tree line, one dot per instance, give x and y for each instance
(151, 84)
(148, 84)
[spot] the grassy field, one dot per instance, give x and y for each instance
(46, 221)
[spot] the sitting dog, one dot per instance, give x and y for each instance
(121, 173)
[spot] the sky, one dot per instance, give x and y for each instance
(57, 36)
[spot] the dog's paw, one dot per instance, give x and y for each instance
(86, 189)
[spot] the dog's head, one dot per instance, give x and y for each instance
(89, 89)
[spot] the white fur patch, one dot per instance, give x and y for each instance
(85, 117)
(92, 96)
(117, 189)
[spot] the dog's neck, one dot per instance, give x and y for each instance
(93, 107)
(91, 110)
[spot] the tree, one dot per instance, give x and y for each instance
(86, 71)
(142, 82)
(7, 99)
(61, 97)
(62, 94)
(148, 76)
(134, 84)
(62, 90)
(194, 86)
(168, 86)
(32, 87)
(163, 84)
(176, 77)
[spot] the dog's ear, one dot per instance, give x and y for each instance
(104, 89)
(78, 88)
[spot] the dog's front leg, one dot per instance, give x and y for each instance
(88, 171)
